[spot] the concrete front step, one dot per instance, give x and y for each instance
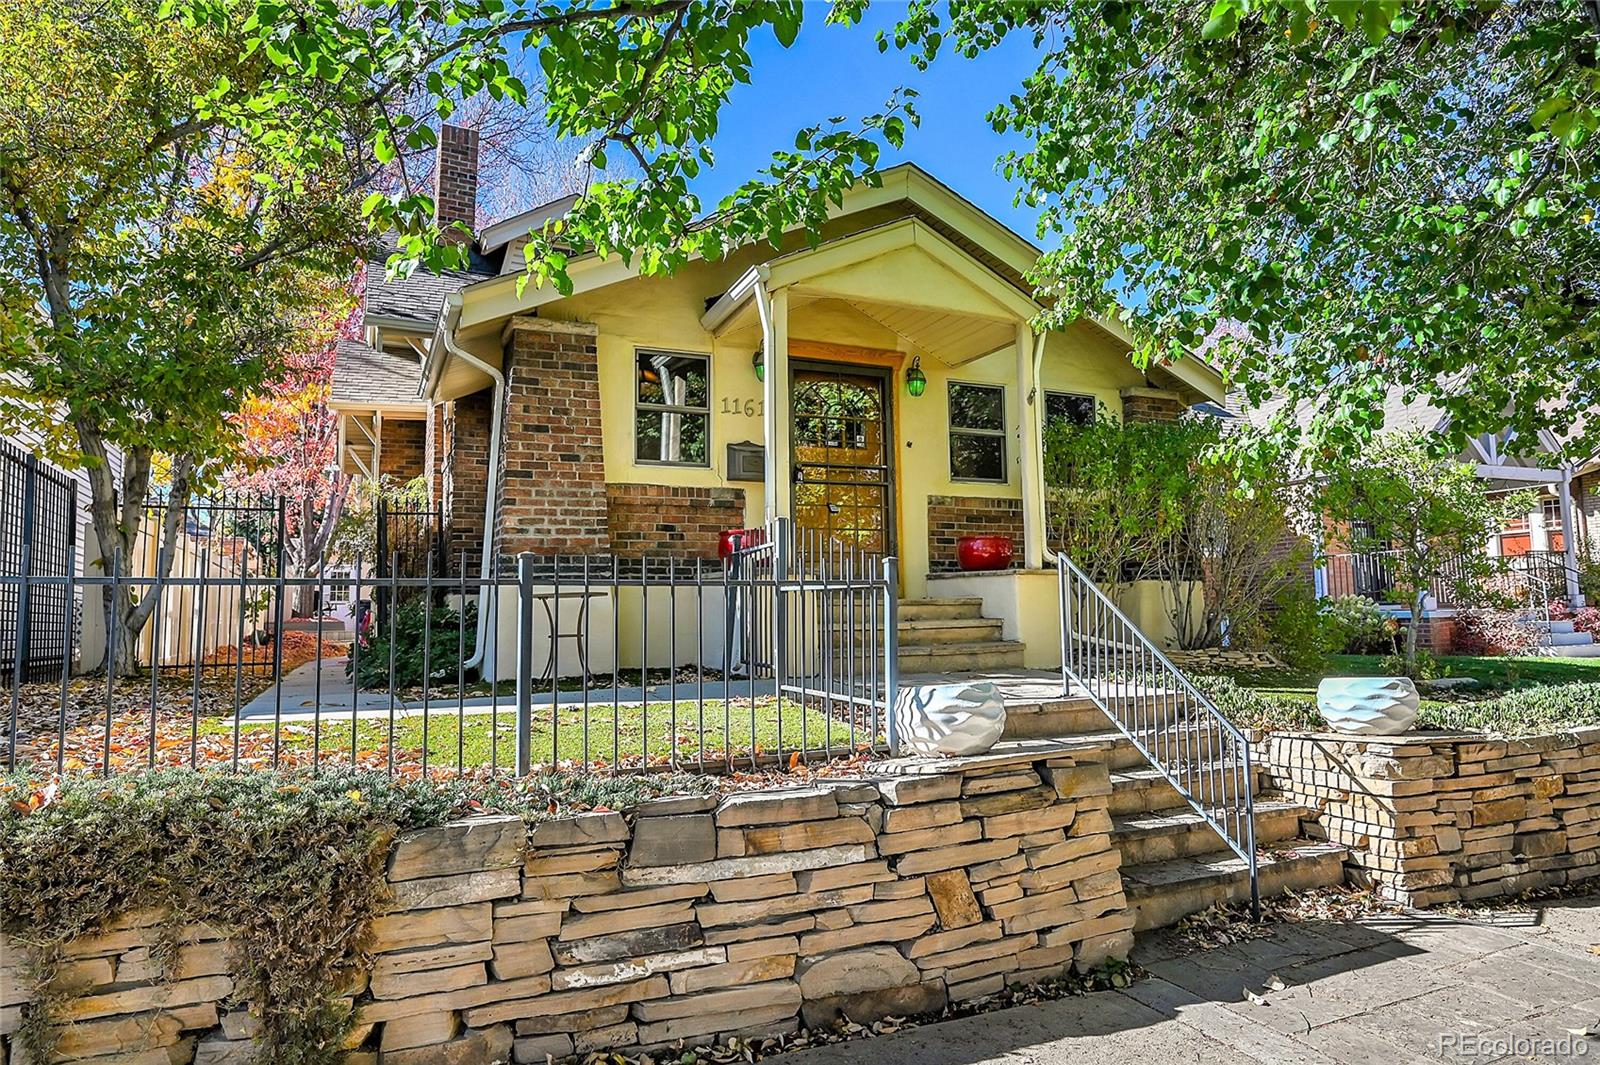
(1059, 718)
(937, 609)
(1556, 626)
(1119, 753)
(1569, 638)
(1162, 893)
(931, 632)
(1570, 650)
(962, 657)
(1142, 789)
(1179, 832)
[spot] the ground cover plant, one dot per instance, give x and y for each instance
(289, 864)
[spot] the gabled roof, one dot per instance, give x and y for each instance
(366, 377)
(497, 235)
(419, 298)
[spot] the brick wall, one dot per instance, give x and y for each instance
(952, 517)
(455, 177)
(433, 451)
(1151, 405)
(670, 520)
(553, 490)
(402, 455)
(466, 469)
(1586, 507)
(1440, 636)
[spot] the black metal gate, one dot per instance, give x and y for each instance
(38, 537)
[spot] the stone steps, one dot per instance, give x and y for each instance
(1572, 650)
(1142, 789)
(1181, 833)
(1162, 893)
(962, 657)
(940, 609)
(938, 632)
(1173, 863)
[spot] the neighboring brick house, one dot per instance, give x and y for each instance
(1547, 542)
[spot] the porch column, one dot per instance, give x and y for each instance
(774, 309)
(1569, 540)
(1032, 449)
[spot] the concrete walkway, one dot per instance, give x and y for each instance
(300, 696)
(1381, 991)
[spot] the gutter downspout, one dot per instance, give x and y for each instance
(1037, 396)
(447, 334)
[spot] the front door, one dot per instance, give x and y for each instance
(843, 483)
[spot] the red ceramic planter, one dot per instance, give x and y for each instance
(984, 552)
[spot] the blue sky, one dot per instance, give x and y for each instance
(835, 70)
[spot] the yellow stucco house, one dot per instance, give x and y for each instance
(882, 389)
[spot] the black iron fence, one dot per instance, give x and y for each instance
(590, 661)
(38, 537)
(1528, 580)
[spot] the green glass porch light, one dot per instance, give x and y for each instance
(758, 360)
(916, 380)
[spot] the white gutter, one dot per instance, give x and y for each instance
(447, 335)
(1038, 442)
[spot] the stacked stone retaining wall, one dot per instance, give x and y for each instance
(691, 919)
(1444, 817)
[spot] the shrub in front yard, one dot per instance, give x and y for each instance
(411, 625)
(1248, 708)
(1361, 627)
(1549, 708)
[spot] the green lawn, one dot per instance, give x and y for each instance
(648, 733)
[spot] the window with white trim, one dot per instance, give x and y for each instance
(977, 432)
(672, 408)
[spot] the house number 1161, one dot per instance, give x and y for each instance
(750, 408)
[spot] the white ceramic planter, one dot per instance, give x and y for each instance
(952, 719)
(1368, 706)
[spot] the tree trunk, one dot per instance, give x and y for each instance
(314, 539)
(117, 512)
(1417, 598)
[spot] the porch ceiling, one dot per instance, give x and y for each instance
(903, 276)
(951, 338)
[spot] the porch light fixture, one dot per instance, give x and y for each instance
(916, 380)
(758, 360)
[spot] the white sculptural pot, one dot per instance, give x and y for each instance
(1368, 706)
(952, 719)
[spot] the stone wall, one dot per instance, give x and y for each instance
(692, 918)
(1445, 817)
(681, 521)
(952, 517)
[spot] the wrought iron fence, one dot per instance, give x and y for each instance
(1174, 725)
(1529, 580)
(588, 661)
(38, 536)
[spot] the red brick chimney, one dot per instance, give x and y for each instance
(455, 179)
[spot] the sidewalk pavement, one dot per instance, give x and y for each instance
(300, 696)
(1387, 990)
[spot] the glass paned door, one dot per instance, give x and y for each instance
(842, 482)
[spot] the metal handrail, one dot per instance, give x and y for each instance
(1180, 732)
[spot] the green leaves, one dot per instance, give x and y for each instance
(1333, 199)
